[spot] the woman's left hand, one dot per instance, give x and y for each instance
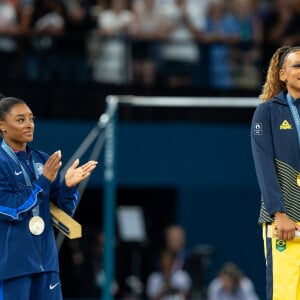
(76, 174)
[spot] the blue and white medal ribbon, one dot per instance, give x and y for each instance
(36, 223)
(296, 118)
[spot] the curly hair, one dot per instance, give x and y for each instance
(273, 85)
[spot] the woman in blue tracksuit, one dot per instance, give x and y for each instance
(275, 139)
(29, 180)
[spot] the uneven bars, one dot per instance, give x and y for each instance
(238, 102)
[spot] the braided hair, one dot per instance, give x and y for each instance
(6, 104)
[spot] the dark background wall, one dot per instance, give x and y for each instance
(203, 170)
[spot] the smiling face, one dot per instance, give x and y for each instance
(290, 73)
(18, 126)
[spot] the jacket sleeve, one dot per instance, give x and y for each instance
(264, 160)
(64, 197)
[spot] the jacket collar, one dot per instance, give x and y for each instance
(281, 98)
(23, 155)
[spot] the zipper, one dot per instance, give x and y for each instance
(40, 254)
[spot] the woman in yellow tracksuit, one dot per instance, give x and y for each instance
(275, 140)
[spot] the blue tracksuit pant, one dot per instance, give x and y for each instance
(38, 286)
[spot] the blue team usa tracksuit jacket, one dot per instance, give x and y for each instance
(22, 253)
(276, 153)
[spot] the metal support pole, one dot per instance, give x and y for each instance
(96, 132)
(109, 197)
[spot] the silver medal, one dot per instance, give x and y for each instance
(36, 225)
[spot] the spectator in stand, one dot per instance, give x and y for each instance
(221, 32)
(173, 254)
(179, 51)
(175, 242)
(74, 65)
(145, 32)
(231, 284)
(111, 65)
(9, 28)
(247, 54)
(166, 283)
(281, 27)
(43, 22)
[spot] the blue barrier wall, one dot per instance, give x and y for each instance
(209, 164)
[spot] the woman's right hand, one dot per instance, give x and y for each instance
(52, 166)
(285, 226)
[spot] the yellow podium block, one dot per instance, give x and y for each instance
(64, 223)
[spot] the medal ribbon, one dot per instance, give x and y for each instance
(295, 113)
(13, 156)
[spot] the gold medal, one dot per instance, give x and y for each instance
(36, 225)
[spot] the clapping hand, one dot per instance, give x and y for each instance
(52, 166)
(75, 174)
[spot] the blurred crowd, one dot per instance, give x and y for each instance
(173, 273)
(179, 43)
